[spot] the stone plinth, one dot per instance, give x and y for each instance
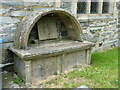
(40, 62)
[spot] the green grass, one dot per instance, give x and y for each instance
(102, 73)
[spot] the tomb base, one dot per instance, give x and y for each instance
(39, 62)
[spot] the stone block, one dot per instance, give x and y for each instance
(20, 13)
(110, 42)
(95, 29)
(65, 4)
(50, 66)
(7, 45)
(93, 25)
(12, 3)
(2, 11)
(8, 30)
(7, 38)
(106, 33)
(45, 4)
(84, 24)
(21, 68)
(100, 39)
(7, 26)
(94, 39)
(87, 36)
(101, 24)
(113, 22)
(8, 20)
(38, 70)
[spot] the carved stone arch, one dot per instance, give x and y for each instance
(28, 22)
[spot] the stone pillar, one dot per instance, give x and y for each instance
(111, 7)
(88, 7)
(100, 7)
(115, 9)
(57, 3)
(28, 73)
(88, 60)
(74, 7)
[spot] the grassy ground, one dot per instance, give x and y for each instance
(102, 73)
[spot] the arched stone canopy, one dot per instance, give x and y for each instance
(26, 25)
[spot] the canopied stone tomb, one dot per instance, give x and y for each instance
(47, 42)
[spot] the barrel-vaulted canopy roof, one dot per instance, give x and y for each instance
(28, 22)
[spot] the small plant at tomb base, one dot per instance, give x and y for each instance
(18, 80)
(55, 73)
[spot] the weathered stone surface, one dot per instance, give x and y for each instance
(42, 68)
(20, 13)
(56, 48)
(12, 3)
(49, 25)
(41, 8)
(93, 25)
(72, 25)
(95, 29)
(50, 66)
(5, 45)
(100, 39)
(7, 37)
(70, 60)
(65, 4)
(113, 27)
(91, 18)
(2, 11)
(106, 33)
(101, 24)
(46, 4)
(110, 42)
(84, 24)
(7, 56)
(94, 39)
(113, 22)
(6, 26)
(8, 31)
(8, 20)
(87, 36)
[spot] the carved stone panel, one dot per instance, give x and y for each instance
(47, 28)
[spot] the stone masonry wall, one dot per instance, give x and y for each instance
(100, 30)
(11, 12)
